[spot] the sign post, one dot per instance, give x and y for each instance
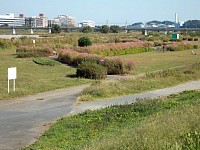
(12, 75)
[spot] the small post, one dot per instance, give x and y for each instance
(14, 31)
(14, 85)
(8, 87)
(31, 31)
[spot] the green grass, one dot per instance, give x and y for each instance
(167, 123)
(157, 60)
(151, 81)
(46, 61)
(33, 78)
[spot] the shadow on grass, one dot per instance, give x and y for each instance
(71, 76)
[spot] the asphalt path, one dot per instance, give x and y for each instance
(23, 120)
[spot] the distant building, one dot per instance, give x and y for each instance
(86, 23)
(40, 21)
(10, 20)
(65, 21)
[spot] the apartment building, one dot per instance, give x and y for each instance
(10, 20)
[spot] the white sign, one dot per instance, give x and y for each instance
(12, 73)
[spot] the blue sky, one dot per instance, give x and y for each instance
(100, 11)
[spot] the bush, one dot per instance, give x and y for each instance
(115, 29)
(91, 71)
(55, 29)
(195, 46)
(5, 43)
(190, 39)
(84, 41)
(105, 29)
(87, 29)
(115, 65)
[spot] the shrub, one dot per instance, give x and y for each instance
(115, 29)
(84, 41)
(91, 70)
(157, 44)
(195, 46)
(87, 29)
(190, 39)
(116, 65)
(5, 43)
(55, 28)
(105, 29)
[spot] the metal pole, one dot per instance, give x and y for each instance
(8, 86)
(14, 85)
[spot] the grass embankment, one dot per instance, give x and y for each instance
(33, 78)
(151, 81)
(168, 123)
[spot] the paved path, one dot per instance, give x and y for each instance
(22, 120)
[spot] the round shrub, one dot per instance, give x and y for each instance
(84, 41)
(91, 71)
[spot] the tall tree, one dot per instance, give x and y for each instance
(105, 29)
(115, 29)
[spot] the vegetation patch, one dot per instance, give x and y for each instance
(34, 51)
(114, 65)
(84, 41)
(91, 70)
(116, 49)
(168, 123)
(45, 61)
(151, 81)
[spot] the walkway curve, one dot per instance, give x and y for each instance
(23, 120)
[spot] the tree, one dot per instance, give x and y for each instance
(84, 41)
(105, 29)
(191, 24)
(115, 29)
(87, 29)
(55, 28)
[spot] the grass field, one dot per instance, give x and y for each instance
(157, 60)
(168, 123)
(150, 81)
(33, 78)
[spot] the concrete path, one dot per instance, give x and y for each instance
(22, 120)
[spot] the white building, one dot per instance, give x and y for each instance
(40, 21)
(10, 20)
(89, 23)
(65, 21)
